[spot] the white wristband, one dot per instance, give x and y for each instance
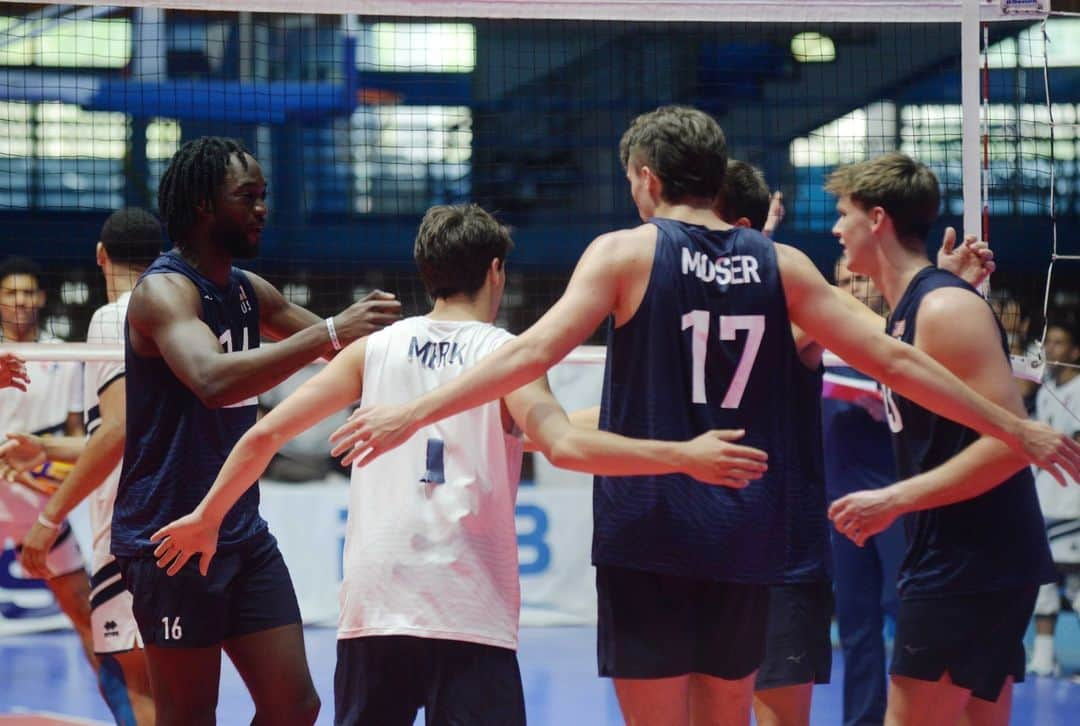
(46, 522)
(333, 334)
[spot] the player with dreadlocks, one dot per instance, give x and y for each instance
(194, 367)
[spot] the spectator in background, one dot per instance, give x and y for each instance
(1058, 404)
(1016, 325)
(858, 455)
(306, 457)
(51, 405)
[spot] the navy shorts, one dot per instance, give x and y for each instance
(384, 680)
(978, 639)
(247, 590)
(661, 626)
(798, 643)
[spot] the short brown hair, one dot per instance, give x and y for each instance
(455, 246)
(685, 147)
(906, 189)
(745, 194)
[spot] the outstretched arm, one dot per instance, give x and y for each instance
(100, 455)
(710, 458)
(972, 351)
(330, 390)
(814, 307)
(589, 298)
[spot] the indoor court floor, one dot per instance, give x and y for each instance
(44, 681)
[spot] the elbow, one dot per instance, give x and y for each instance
(564, 454)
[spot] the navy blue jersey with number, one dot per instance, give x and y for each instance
(711, 347)
(991, 542)
(175, 445)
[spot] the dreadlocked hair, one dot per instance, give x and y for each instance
(194, 175)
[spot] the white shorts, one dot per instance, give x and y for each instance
(1048, 601)
(111, 618)
(1064, 536)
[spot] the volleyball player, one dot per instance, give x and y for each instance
(130, 239)
(430, 597)
(192, 353)
(977, 550)
(701, 338)
(50, 406)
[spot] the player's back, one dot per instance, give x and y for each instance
(709, 347)
(175, 445)
(431, 547)
(993, 541)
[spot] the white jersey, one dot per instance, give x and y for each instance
(430, 544)
(1058, 407)
(55, 391)
(106, 327)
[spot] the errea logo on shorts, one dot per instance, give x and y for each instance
(733, 270)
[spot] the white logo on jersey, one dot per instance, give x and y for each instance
(734, 270)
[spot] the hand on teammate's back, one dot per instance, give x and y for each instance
(377, 310)
(370, 432)
(713, 459)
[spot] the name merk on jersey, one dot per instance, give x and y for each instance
(730, 270)
(436, 354)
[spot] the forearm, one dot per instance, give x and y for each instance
(231, 377)
(920, 378)
(100, 455)
(600, 452)
(980, 467)
(243, 467)
(63, 448)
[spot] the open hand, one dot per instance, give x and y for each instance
(183, 539)
(370, 432)
(713, 459)
(1051, 450)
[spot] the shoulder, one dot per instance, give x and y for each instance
(954, 323)
(625, 242)
(165, 294)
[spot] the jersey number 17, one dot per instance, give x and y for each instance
(698, 323)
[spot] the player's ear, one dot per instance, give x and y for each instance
(877, 215)
(100, 255)
(743, 222)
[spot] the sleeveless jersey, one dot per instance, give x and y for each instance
(430, 543)
(175, 445)
(992, 542)
(711, 347)
(106, 327)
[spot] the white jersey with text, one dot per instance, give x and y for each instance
(55, 391)
(430, 545)
(106, 328)
(1058, 406)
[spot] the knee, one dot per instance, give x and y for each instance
(301, 712)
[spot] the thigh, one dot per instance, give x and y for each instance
(261, 595)
(274, 667)
(184, 682)
(473, 685)
(654, 701)
(917, 702)
(798, 648)
(378, 681)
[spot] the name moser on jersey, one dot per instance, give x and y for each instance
(724, 270)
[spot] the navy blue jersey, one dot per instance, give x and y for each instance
(991, 542)
(711, 347)
(175, 445)
(858, 449)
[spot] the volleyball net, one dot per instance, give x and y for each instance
(362, 121)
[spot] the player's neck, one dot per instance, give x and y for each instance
(212, 261)
(461, 308)
(897, 266)
(120, 280)
(704, 216)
